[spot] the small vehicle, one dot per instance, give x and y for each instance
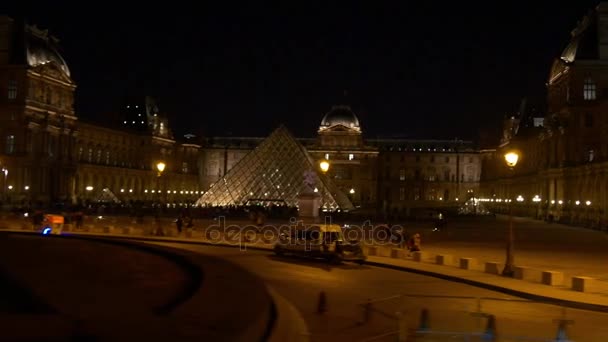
(319, 241)
(52, 224)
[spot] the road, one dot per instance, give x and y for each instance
(301, 281)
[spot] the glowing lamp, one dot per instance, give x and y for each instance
(160, 167)
(324, 165)
(511, 159)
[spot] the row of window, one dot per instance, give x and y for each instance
(432, 159)
(417, 195)
(350, 156)
(447, 176)
(105, 158)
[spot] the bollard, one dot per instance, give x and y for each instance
(561, 332)
(322, 304)
(489, 335)
(403, 333)
(424, 320)
(367, 312)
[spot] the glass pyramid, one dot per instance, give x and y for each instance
(106, 196)
(275, 172)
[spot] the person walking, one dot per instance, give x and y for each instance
(179, 223)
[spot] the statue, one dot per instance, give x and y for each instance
(309, 179)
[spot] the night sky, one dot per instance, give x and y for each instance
(431, 69)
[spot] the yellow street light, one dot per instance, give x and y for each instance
(511, 158)
(160, 166)
(324, 165)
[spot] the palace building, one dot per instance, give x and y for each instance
(49, 154)
(563, 173)
(380, 175)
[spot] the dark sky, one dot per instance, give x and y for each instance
(421, 69)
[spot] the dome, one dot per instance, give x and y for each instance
(40, 50)
(340, 115)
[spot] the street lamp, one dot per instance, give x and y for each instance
(5, 172)
(160, 166)
(511, 159)
(324, 166)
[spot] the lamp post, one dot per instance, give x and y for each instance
(511, 158)
(160, 166)
(5, 172)
(324, 166)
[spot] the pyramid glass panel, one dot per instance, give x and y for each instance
(274, 173)
(106, 196)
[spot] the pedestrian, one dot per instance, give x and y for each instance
(178, 223)
(414, 243)
(158, 226)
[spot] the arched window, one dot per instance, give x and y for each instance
(589, 89)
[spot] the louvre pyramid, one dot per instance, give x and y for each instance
(106, 196)
(273, 173)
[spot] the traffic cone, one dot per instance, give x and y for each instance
(489, 334)
(561, 332)
(322, 304)
(424, 320)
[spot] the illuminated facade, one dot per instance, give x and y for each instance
(48, 155)
(276, 172)
(389, 176)
(563, 173)
(51, 155)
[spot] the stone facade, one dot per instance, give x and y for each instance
(49, 156)
(563, 170)
(388, 176)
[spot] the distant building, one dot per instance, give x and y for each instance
(390, 176)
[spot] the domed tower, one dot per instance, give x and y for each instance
(340, 142)
(340, 128)
(38, 131)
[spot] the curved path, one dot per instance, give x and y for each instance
(57, 288)
(301, 281)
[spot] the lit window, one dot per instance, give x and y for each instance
(10, 144)
(12, 89)
(90, 155)
(351, 156)
(589, 89)
(185, 167)
(401, 174)
(326, 156)
(107, 157)
(401, 194)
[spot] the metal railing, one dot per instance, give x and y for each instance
(481, 319)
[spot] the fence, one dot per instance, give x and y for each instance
(419, 317)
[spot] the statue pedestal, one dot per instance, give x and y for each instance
(308, 206)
